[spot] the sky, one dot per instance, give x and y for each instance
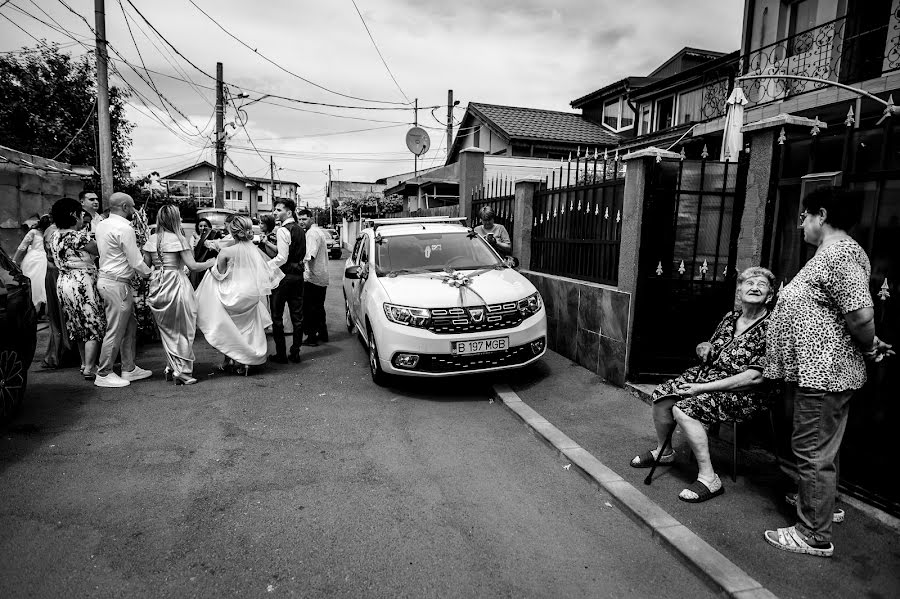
(533, 53)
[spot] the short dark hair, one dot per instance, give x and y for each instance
(84, 192)
(304, 212)
(62, 212)
(288, 203)
(843, 207)
(205, 220)
(268, 220)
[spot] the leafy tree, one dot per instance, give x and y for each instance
(46, 96)
(372, 206)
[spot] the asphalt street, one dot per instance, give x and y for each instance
(304, 480)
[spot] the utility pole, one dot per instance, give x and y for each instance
(416, 156)
(272, 181)
(449, 119)
(328, 199)
(105, 130)
(220, 139)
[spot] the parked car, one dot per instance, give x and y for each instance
(216, 216)
(334, 244)
(433, 299)
(18, 334)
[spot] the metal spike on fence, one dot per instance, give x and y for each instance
(570, 156)
(727, 154)
(725, 272)
(597, 210)
(885, 293)
(616, 157)
(605, 157)
(658, 156)
(681, 268)
(659, 269)
(618, 216)
(705, 153)
(781, 137)
(682, 154)
(606, 213)
(850, 118)
(596, 153)
(579, 205)
(704, 268)
(579, 152)
(815, 128)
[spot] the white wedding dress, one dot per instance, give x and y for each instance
(233, 308)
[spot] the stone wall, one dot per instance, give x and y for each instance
(586, 322)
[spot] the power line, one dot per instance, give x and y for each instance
(77, 133)
(383, 61)
(269, 60)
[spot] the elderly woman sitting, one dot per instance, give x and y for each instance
(723, 387)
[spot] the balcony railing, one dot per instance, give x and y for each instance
(844, 50)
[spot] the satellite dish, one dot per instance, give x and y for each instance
(417, 141)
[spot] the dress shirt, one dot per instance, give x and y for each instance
(119, 253)
(283, 239)
(316, 271)
(96, 219)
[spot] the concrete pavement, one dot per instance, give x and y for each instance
(600, 428)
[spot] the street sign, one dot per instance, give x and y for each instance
(417, 141)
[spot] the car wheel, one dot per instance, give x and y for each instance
(12, 383)
(348, 318)
(379, 377)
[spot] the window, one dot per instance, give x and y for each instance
(476, 137)
(617, 115)
(644, 126)
(259, 197)
(240, 195)
(690, 106)
(802, 17)
(227, 195)
(665, 110)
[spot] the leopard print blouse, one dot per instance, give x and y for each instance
(808, 342)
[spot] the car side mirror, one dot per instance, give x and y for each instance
(512, 261)
(352, 272)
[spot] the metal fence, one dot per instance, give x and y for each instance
(577, 220)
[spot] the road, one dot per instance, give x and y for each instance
(305, 480)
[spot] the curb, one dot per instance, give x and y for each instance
(703, 559)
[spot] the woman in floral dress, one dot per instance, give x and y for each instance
(723, 387)
(74, 250)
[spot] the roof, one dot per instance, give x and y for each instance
(208, 164)
(687, 51)
(546, 125)
(628, 83)
(728, 62)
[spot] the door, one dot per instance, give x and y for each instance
(359, 286)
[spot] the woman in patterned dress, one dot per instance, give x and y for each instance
(74, 250)
(725, 386)
(822, 331)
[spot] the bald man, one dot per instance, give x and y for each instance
(120, 258)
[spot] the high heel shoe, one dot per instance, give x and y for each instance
(183, 379)
(168, 373)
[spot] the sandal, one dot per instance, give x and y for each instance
(646, 459)
(788, 539)
(701, 491)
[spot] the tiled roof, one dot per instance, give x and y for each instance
(545, 125)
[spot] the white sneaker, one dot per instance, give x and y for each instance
(110, 380)
(137, 374)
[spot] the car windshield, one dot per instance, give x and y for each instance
(433, 252)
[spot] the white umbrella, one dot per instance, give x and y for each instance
(732, 138)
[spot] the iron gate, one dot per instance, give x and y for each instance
(686, 277)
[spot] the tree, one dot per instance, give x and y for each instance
(372, 206)
(46, 97)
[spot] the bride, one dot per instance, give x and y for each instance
(232, 300)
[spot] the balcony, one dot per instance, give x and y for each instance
(847, 50)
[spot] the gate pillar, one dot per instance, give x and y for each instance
(471, 177)
(523, 219)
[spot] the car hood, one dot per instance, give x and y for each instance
(429, 290)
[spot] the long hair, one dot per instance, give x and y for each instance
(168, 219)
(241, 228)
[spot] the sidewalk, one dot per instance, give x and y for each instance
(613, 425)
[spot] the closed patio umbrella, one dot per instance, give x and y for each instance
(732, 138)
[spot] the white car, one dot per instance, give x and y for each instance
(431, 298)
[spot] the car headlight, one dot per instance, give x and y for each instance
(530, 305)
(413, 317)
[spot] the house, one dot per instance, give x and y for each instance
(250, 195)
(661, 108)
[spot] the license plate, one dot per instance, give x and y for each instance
(480, 346)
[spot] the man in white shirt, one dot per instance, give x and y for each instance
(291, 242)
(91, 205)
(120, 258)
(315, 274)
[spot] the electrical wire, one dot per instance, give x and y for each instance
(77, 133)
(383, 61)
(269, 60)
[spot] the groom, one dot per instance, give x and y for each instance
(291, 240)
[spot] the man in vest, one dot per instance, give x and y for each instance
(291, 242)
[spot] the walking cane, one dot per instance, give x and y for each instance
(649, 478)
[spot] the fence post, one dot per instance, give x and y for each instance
(471, 177)
(523, 219)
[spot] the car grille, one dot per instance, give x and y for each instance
(475, 319)
(452, 363)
